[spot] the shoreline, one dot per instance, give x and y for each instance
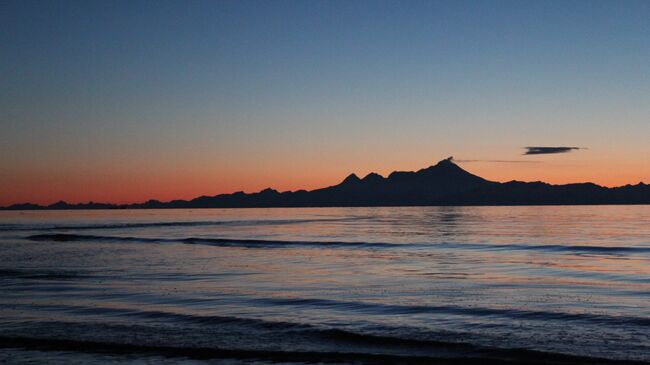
(482, 356)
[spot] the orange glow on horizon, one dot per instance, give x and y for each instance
(120, 186)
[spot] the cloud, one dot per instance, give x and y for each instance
(497, 161)
(549, 150)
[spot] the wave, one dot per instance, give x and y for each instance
(516, 314)
(496, 356)
(289, 342)
(54, 275)
(231, 334)
(234, 325)
(382, 309)
(261, 222)
(552, 248)
(223, 242)
(261, 243)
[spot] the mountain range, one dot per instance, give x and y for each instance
(444, 183)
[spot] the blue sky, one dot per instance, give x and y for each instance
(183, 98)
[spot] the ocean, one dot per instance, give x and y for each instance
(551, 284)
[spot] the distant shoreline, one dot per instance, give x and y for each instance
(443, 184)
(6, 209)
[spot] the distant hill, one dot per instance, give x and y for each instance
(442, 184)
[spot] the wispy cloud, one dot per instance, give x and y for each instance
(549, 150)
(497, 161)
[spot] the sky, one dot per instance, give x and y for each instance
(125, 101)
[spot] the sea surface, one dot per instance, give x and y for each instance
(350, 285)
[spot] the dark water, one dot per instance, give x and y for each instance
(333, 284)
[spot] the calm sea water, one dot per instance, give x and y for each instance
(268, 284)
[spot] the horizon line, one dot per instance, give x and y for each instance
(450, 160)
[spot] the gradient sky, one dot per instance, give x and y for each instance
(123, 101)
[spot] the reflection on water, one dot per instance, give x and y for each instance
(560, 279)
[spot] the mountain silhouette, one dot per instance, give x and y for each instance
(444, 183)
